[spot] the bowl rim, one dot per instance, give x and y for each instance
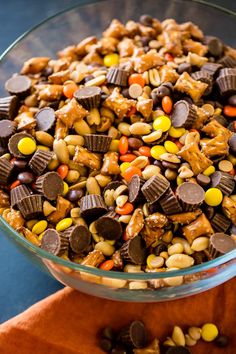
(92, 270)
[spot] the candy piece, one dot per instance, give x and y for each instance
(7, 129)
(183, 115)
(134, 250)
(13, 144)
(209, 332)
(222, 341)
(97, 143)
(204, 76)
(117, 76)
(26, 177)
(135, 91)
(31, 206)
(18, 85)
(213, 197)
(45, 118)
(220, 223)
(111, 59)
(134, 335)
(211, 68)
(220, 244)
(6, 169)
(178, 350)
(226, 84)
(108, 226)
(227, 61)
(26, 146)
(223, 181)
(54, 243)
(79, 237)
(40, 227)
(88, 97)
(50, 185)
(190, 195)
(112, 185)
(162, 123)
(157, 151)
(135, 193)
(39, 161)
(92, 206)
(169, 203)
(232, 143)
(18, 193)
(9, 107)
(155, 187)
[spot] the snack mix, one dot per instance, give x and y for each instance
(120, 154)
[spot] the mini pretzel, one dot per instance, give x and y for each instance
(197, 160)
(199, 227)
(229, 209)
(195, 89)
(118, 103)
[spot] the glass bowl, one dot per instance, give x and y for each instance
(69, 27)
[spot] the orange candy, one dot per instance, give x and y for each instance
(169, 57)
(131, 111)
(15, 184)
(178, 143)
(145, 151)
(130, 172)
(137, 79)
(125, 210)
(232, 172)
(123, 145)
(128, 157)
(230, 111)
(63, 171)
(69, 89)
(167, 104)
(107, 265)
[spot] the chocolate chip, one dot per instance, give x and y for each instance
(222, 341)
(156, 100)
(74, 195)
(215, 46)
(146, 20)
(26, 177)
(184, 67)
(232, 100)
(178, 350)
(45, 119)
(163, 91)
(106, 345)
(160, 247)
(108, 333)
(20, 164)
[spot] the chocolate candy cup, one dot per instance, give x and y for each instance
(169, 203)
(108, 226)
(155, 187)
(220, 223)
(226, 84)
(7, 129)
(214, 44)
(50, 185)
(177, 350)
(190, 195)
(45, 118)
(232, 143)
(92, 206)
(117, 76)
(211, 68)
(39, 161)
(9, 107)
(224, 181)
(135, 193)
(18, 85)
(205, 77)
(79, 238)
(227, 61)
(6, 169)
(13, 144)
(227, 71)
(31, 206)
(53, 242)
(203, 180)
(220, 244)
(134, 335)
(183, 114)
(97, 143)
(18, 193)
(88, 97)
(134, 251)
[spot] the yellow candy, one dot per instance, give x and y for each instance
(179, 180)
(65, 188)
(163, 123)
(40, 236)
(26, 146)
(209, 332)
(31, 223)
(232, 159)
(40, 227)
(111, 59)
(149, 260)
(114, 145)
(213, 196)
(171, 147)
(209, 171)
(124, 166)
(42, 147)
(176, 132)
(63, 224)
(157, 151)
(111, 242)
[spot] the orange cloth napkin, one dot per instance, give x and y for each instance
(68, 322)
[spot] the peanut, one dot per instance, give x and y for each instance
(93, 186)
(179, 261)
(200, 244)
(121, 200)
(82, 127)
(140, 162)
(124, 128)
(61, 151)
(74, 140)
(44, 138)
(152, 136)
(140, 128)
(149, 171)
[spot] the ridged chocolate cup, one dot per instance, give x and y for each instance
(134, 251)
(223, 181)
(54, 242)
(31, 206)
(50, 185)
(108, 226)
(211, 68)
(227, 61)
(226, 84)
(88, 97)
(117, 76)
(154, 188)
(220, 223)
(79, 238)
(39, 161)
(190, 195)
(205, 77)
(18, 193)
(135, 193)
(169, 203)
(18, 85)
(7, 129)
(13, 142)
(221, 244)
(9, 107)
(134, 335)
(97, 143)
(92, 206)
(6, 169)
(183, 114)
(227, 71)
